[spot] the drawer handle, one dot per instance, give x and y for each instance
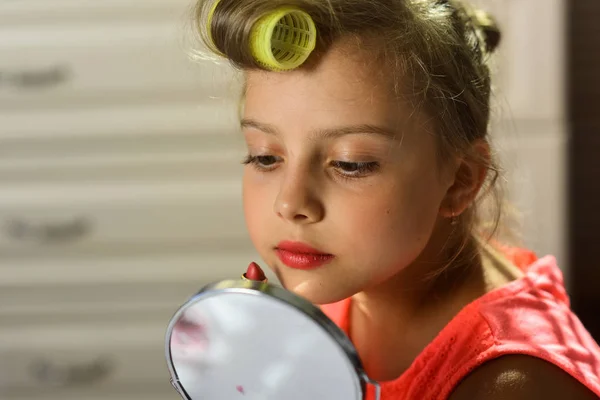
(61, 232)
(40, 78)
(47, 373)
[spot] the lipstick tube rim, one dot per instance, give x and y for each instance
(266, 280)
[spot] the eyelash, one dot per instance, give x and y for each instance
(357, 169)
(258, 162)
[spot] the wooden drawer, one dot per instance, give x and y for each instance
(118, 168)
(142, 286)
(116, 153)
(61, 11)
(37, 219)
(86, 359)
(114, 158)
(145, 393)
(113, 62)
(111, 267)
(117, 121)
(59, 303)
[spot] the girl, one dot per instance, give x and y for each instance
(367, 162)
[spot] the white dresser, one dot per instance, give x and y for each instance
(119, 193)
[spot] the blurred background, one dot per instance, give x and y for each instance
(120, 178)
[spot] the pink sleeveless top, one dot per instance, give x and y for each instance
(529, 316)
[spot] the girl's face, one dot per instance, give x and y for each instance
(338, 164)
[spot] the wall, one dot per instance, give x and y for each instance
(530, 125)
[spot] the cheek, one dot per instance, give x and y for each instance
(421, 206)
(397, 223)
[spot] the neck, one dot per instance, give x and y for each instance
(393, 322)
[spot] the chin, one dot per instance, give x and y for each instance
(318, 293)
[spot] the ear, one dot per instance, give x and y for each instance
(469, 176)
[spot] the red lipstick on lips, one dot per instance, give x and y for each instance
(301, 256)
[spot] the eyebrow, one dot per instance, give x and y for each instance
(325, 133)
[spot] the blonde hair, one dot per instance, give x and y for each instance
(441, 46)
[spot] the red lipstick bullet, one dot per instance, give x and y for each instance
(255, 273)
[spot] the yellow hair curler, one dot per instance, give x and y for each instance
(209, 18)
(281, 40)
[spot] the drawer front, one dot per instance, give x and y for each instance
(35, 11)
(56, 303)
(72, 367)
(193, 264)
(115, 158)
(87, 359)
(118, 168)
(40, 218)
(118, 121)
(50, 66)
(45, 289)
(163, 392)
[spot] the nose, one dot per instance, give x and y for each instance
(298, 200)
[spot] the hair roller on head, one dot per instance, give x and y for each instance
(283, 39)
(279, 40)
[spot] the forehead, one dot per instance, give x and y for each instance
(344, 86)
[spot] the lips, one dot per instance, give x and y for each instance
(300, 255)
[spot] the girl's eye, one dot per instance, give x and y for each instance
(262, 163)
(355, 169)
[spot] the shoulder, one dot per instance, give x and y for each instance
(519, 377)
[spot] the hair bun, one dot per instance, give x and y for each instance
(489, 28)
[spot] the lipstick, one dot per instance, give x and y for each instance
(254, 273)
(299, 255)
